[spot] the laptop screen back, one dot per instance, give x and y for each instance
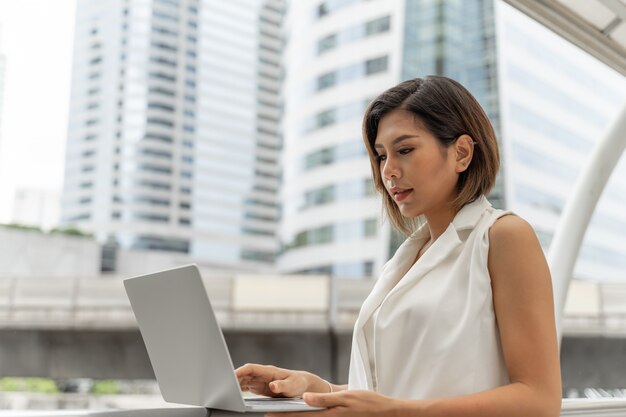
(183, 339)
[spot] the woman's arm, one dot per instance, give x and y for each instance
(522, 294)
(523, 302)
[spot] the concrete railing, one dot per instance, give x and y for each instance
(248, 301)
(242, 301)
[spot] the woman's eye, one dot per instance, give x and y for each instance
(380, 158)
(404, 151)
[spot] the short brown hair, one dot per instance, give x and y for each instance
(447, 110)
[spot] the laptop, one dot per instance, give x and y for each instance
(186, 346)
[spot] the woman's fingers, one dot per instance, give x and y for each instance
(253, 370)
(272, 381)
(278, 387)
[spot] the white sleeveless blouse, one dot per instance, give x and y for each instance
(428, 330)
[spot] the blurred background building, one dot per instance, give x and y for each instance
(179, 108)
(341, 54)
(173, 134)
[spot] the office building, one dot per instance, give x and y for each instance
(540, 93)
(340, 55)
(173, 135)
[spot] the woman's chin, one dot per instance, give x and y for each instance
(409, 211)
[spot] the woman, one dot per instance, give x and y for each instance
(461, 320)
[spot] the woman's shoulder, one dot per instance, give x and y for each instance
(513, 244)
(509, 228)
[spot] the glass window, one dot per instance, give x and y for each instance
(151, 200)
(325, 118)
(321, 157)
(373, 66)
(153, 184)
(159, 138)
(331, 6)
(155, 168)
(319, 196)
(164, 46)
(161, 90)
(378, 26)
(159, 121)
(156, 153)
(151, 217)
(370, 227)
(163, 61)
(326, 43)
(161, 106)
(157, 243)
(255, 255)
(162, 76)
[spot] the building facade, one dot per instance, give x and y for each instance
(336, 61)
(173, 132)
(340, 55)
(540, 93)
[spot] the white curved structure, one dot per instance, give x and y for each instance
(599, 28)
(577, 214)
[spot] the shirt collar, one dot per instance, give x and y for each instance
(470, 213)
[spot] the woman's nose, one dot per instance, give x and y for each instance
(390, 169)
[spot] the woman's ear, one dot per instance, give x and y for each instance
(464, 148)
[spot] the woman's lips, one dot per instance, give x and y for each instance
(402, 195)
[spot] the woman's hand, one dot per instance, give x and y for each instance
(350, 403)
(277, 382)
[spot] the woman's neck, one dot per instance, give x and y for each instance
(438, 221)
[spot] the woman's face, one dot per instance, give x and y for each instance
(419, 174)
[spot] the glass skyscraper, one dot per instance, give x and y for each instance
(540, 93)
(173, 135)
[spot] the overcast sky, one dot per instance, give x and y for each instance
(36, 41)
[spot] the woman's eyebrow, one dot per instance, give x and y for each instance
(396, 140)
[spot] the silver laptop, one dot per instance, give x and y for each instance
(186, 345)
